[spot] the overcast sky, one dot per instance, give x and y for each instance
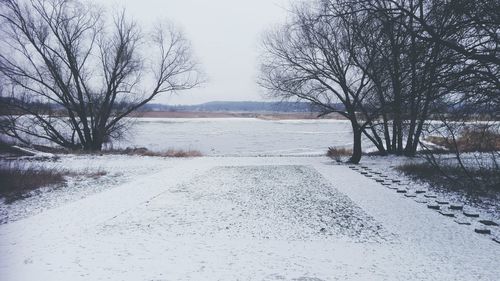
(225, 35)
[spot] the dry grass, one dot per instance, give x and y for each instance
(471, 140)
(337, 153)
(182, 153)
(16, 180)
(142, 151)
(95, 175)
(137, 151)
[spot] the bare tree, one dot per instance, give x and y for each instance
(409, 74)
(90, 75)
(311, 58)
(468, 29)
(367, 59)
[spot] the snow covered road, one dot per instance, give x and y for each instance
(245, 218)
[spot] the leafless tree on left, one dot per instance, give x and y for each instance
(71, 76)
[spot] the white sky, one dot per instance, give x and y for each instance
(225, 35)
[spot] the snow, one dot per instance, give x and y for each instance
(244, 218)
(236, 215)
(115, 169)
(33, 153)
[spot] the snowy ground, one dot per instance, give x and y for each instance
(116, 169)
(241, 218)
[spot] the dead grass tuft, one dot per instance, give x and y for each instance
(337, 153)
(182, 153)
(96, 175)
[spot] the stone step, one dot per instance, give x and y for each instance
(447, 214)
(488, 223)
(433, 206)
(456, 207)
(482, 230)
(462, 222)
(440, 202)
(471, 214)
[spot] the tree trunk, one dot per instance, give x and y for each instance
(96, 145)
(356, 146)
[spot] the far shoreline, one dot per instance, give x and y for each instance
(259, 115)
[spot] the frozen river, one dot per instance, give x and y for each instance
(239, 136)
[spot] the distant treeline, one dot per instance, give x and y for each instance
(8, 106)
(235, 106)
(216, 106)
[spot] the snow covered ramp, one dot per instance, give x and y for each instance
(245, 218)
